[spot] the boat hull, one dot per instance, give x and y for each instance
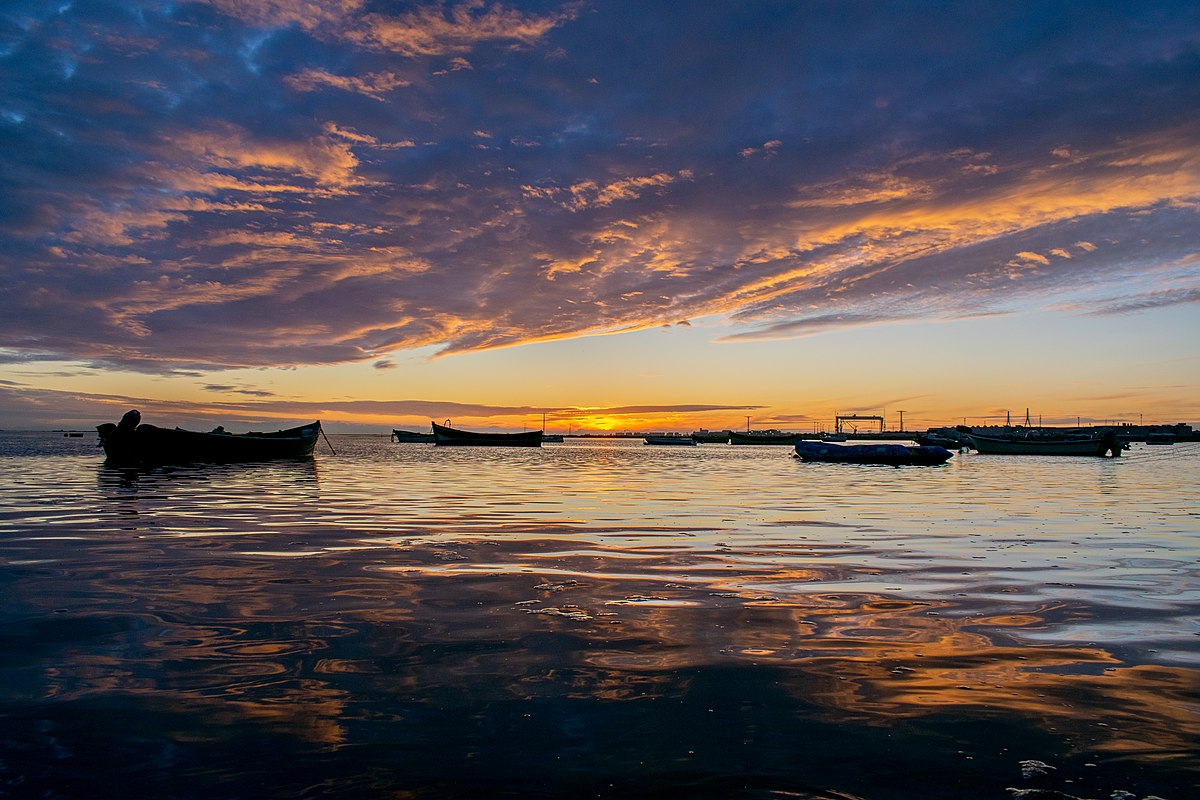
(933, 440)
(1033, 446)
(686, 441)
(445, 435)
(150, 444)
(710, 437)
(411, 437)
(763, 438)
(896, 455)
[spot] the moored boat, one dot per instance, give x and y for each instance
(940, 439)
(130, 443)
(445, 435)
(896, 455)
(668, 440)
(1037, 443)
(410, 436)
(763, 437)
(704, 436)
(552, 437)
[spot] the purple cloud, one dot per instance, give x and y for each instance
(198, 186)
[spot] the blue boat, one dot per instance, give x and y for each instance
(896, 455)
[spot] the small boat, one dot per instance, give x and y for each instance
(834, 437)
(704, 436)
(1040, 443)
(130, 442)
(932, 439)
(1160, 438)
(684, 440)
(763, 437)
(410, 436)
(552, 437)
(445, 435)
(895, 455)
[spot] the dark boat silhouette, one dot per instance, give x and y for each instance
(131, 442)
(1044, 443)
(763, 437)
(445, 435)
(410, 436)
(670, 440)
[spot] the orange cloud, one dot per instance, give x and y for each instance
(376, 85)
(325, 159)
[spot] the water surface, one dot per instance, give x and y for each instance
(597, 618)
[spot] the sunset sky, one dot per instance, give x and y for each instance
(620, 215)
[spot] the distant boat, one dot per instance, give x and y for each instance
(131, 442)
(932, 439)
(1160, 438)
(73, 435)
(942, 438)
(1040, 443)
(445, 435)
(676, 440)
(834, 437)
(763, 437)
(895, 455)
(410, 436)
(552, 437)
(704, 436)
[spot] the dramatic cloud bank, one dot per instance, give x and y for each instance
(201, 185)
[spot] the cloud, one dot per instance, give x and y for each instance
(374, 85)
(323, 159)
(228, 389)
(276, 182)
(590, 194)
(431, 29)
(435, 30)
(27, 407)
(1147, 301)
(1037, 258)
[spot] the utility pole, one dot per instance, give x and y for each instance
(902, 421)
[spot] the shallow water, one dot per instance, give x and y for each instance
(597, 618)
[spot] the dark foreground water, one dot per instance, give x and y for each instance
(597, 619)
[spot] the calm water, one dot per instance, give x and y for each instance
(597, 619)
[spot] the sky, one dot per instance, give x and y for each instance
(613, 215)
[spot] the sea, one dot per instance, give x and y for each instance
(598, 619)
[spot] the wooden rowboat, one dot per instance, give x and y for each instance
(132, 443)
(445, 435)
